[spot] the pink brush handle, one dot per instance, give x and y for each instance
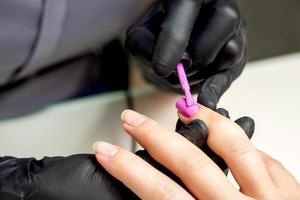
(185, 85)
(186, 105)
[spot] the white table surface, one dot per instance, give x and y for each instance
(268, 91)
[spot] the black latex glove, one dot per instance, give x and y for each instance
(77, 177)
(212, 32)
(246, 123)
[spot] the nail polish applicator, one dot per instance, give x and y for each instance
(187, 105)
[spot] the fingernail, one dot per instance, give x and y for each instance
(105, 149)
(132, 118)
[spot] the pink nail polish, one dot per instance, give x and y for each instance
(186, 105)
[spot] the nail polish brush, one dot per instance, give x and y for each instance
(187, 105)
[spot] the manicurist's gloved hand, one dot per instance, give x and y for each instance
(211, 32)
(75, 177)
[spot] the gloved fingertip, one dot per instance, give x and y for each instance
(162, 70)
(223, 112)
(207, 102)
(248, 125)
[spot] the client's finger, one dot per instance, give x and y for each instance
(281, 177)
(229, 141)
(137, 175)
(180, 156)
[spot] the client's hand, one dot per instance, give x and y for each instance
(258, 175)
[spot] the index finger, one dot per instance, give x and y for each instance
(174, 36)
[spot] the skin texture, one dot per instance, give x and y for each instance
(258, 175)
(211, 32)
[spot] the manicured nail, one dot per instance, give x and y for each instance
(105, 149)
(132, 118)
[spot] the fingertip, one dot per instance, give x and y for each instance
(183, 118)
(223, 112)
(123, 114)
(105, 149)
(248, 125)
(105, 153)
(162, 70)
(132, 118)
(94, 146)
(188, 120)
(213, 88)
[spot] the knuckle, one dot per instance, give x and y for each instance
(247, 124)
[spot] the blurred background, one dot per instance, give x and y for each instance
(273, 27)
